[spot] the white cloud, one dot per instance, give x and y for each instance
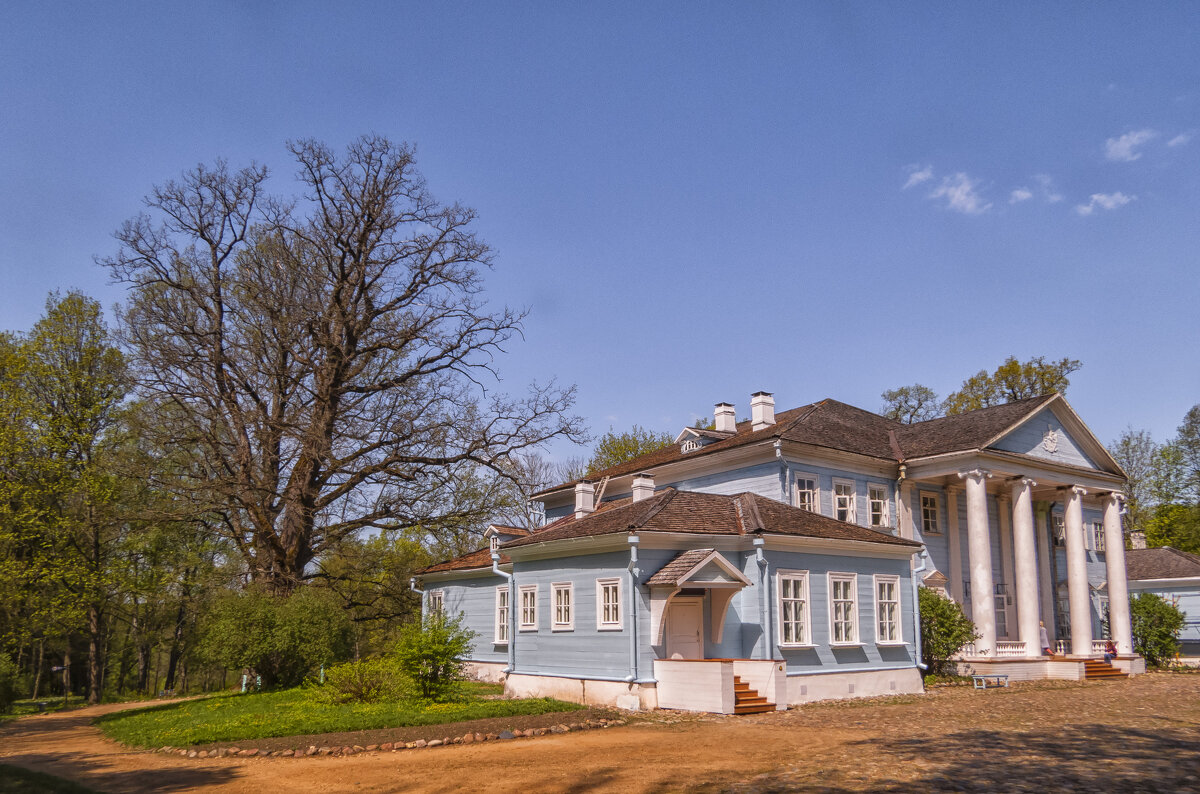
(918, 174)
(1124, 149)
(1106, 201)
(1180, 139)
(961, 194)
(1019, 195)
(1051, 195)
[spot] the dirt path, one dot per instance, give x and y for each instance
(1136, 735)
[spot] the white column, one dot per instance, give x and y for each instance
(904, 512)
(1077, 583)
(955, 544)
(1118, 586)
(1025, 559)
(1045, 574)
(979, 548)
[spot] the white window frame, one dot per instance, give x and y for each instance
(805, 640)
(1096, 535)
(494, 543)
(503, 610)
(852, 578)
(937, 513)
(852, 517)
(894, 581)
(885, 505)
(815, 491)
(601, 624)
(437, 602)
(557, 609)
(528, 590)
(1058, 530)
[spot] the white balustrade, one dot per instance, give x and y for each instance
(1010, 649)
(1099, 646)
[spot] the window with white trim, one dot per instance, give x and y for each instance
(437, 602)
(562, 595)
(1097, 535)
(843, 500)
(843, 608)
(793, 608)
(929, 515)
(807, 494)
(887, 610)
(1058, 530)
(529, 607)
(495, 543)
(501, 631)
(877, 499)
(608, 604)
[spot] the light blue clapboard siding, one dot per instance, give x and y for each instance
(869, 654)
(1027, 439)
(825, 477)
(763, 479)
(475, 599)
(584, 650)
(1187, 598)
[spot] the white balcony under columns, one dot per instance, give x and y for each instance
(1118, 587)
(1025, 562)
(1078, 590)
(979, 549)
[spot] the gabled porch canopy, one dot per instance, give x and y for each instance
(699, 568)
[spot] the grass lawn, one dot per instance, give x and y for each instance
(295, 712)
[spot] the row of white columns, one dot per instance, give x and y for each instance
(1025, 555)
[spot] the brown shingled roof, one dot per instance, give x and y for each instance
(677, 568)
(690, 512)
(476, 559)
(971, 430)
(1162, 562)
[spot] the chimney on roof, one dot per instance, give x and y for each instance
(585, 492)
(643, 487)
(762, 410)
(1137, 540)
(725, 418)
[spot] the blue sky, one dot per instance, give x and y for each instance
(696, 201)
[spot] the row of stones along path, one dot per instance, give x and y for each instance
(1142, 734)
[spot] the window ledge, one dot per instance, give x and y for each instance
(500, 642)
(892, 644)
(609, 628)
(563, 628)
(847, 645)
(528, 629)
(797, 645)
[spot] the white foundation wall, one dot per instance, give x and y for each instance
(1032, 670)
(491, 672)
(835, 686)
(589, 692)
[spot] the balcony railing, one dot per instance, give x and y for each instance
(1010, 649)
(1062, 648)
(1099, 646)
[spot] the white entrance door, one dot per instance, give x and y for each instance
(685, 629)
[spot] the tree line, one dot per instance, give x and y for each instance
(299, 393)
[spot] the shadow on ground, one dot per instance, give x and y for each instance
(1093, 758)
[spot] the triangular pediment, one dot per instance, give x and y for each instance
(1055, 433)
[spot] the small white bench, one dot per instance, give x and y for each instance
(983, 681)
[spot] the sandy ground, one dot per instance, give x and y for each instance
(1137, 735)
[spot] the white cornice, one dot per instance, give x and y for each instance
(463, 573)
(1185, 581)
(858, 548)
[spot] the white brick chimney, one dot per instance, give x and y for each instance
(643, 487)
(762, 410)
(585, 493)
(725, 418)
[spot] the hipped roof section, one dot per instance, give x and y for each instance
(692, 513)
(838, 426)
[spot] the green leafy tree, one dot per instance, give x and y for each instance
(945, 629)
(1156, 626)
(1188, 441)
(373, 680)
(283, 639)
(1012, 380)
(1175, 525)
(9, 683)
(615, 448)
(909, 404)
(430, 652)
(1139, 457)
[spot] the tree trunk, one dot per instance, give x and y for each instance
(66, 673)
(95, 653)
(37, 673)
(143, 667)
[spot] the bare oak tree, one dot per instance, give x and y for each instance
(329, 359)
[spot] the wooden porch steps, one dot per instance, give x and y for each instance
(1096, 668)
(748, 701)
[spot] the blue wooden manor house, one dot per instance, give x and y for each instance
(776, 561)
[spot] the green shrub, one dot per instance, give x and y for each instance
(282, 639)
(945, 629)
(1156, 625)
(430, 653)
(375, 680)
(9, 683)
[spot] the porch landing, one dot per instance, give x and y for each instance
(722, 686)
(1041, 668)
